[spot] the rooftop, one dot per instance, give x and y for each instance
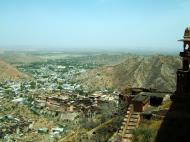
(141, 98)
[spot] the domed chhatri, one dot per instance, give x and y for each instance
(187, 33)
(186, 40)
(186, 37)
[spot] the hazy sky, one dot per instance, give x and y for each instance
(109, 24)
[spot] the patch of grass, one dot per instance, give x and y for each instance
(165, 105)
(142, 135)
(147, 131)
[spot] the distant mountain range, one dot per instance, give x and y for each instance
(9, 72)
(157, 72)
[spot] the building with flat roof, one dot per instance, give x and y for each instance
(140, 102)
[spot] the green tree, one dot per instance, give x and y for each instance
(33, 85)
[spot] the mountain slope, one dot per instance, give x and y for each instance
(9, 72)
(138, 71)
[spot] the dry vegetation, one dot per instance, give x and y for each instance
(147, 131)
(9, 72)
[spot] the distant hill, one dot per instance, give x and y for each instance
(9, 72)
(107, 59)
(138, 71)
(16, 57)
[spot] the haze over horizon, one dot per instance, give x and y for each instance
(94, 24)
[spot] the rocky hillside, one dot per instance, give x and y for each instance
(138, 71)
(9, 72)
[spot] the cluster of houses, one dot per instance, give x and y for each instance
(62, 102)
(63, 106)
(45, 78)
(10, 124)
(70, 106)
